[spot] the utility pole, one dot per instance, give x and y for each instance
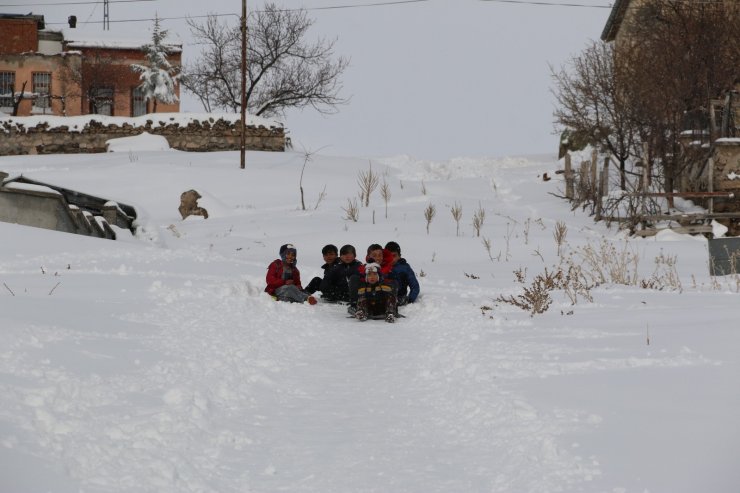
(243, 150)
(106, 16)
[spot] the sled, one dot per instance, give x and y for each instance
(378, 317)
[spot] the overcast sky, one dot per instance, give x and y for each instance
(433, 79)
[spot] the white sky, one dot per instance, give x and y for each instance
(435, 79)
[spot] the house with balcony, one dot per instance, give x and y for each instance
(66, 73)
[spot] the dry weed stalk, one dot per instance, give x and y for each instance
(352, 210)
(509, 230)
(560, 233)
(479, 217)
(385, 193)
(321, 198)
(487, 245)
(429, 214)
(368, 182)
(606, 263)
(536, 298)
(456, 211)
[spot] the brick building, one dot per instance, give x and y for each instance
(64, 73)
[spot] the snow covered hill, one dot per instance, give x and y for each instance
(157, 364)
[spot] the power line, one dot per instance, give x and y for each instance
(152, 19)
(88, 2)
(331, 7)
(377, 4)
(551, 4)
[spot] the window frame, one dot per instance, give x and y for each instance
(110, 103)
(136, 91)
(41, 96)
(10, 76)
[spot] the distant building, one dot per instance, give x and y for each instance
(60, 72)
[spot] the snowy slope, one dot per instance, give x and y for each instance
(156, 362)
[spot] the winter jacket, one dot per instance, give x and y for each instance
(335, 285)
(385, 266)
(405, 277)
(376, 299)
(275, 277)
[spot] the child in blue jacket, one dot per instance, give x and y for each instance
(403, 275)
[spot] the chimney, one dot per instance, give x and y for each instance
(72, 19)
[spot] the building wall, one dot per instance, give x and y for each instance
(18, 36)
(124, 78)
(25, 66)
(24, 51)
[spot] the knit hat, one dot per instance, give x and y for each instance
(288, 248)
(373, 267)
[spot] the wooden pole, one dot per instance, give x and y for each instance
(243, 142)
(568, 177)
(594, 175)
(583, 184)
(645, 186)
(603, 189)
(710, 185)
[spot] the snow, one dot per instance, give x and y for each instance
(142, 142)
(29, 187)
(156, 363)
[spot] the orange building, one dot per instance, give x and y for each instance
(62, 73)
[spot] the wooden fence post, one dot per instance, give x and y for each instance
(710, 185)
(646, 161)
(583, 184)
(602, 190)
(594, 177)
(569, 176)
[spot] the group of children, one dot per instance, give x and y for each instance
(372, 290)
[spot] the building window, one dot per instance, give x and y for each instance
(42, 91)
(138, 102)
(7, 88)
(101, 101)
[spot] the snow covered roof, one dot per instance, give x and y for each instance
(77, 38)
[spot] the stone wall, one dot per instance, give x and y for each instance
(19, 135)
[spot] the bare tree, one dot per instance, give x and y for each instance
(17, 98)
(681, 55)
(592, 106)
(284, 70)
(95, 80)
(635, 100)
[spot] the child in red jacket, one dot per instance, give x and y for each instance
(284, 278)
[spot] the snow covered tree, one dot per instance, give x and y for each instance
(284, 70)
(158, 77)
